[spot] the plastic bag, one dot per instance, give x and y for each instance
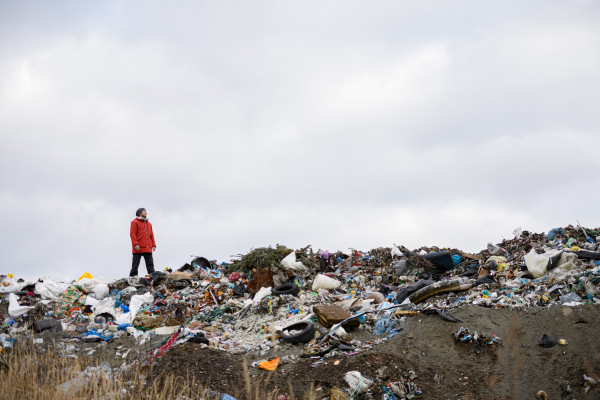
(570, 298)
(261, 294)
(383, 325)
(290, 262)
(100, 292)
(135, 304)
(90, 301)
(396, 252)
(85, 275)
(14, 309)
(357, 382)
(89, 284)
(547, 341)
(235, 276)
(325, 282)
(553, 233)
(50, 290)
(536, 263)
(495, 250)
(105, 306)
(270, 365)
(8, 285)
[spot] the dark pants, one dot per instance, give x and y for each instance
(136, 263)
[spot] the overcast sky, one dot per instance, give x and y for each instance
(243, 124)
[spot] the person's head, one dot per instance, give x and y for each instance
(141, 212)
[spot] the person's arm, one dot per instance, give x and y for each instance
(152, 238)
(133, 235)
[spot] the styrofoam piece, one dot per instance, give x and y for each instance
(166, 330)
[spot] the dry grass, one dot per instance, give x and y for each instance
(28, 375)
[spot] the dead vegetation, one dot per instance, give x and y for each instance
(28, 375)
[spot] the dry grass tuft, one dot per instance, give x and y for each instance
(28, 375)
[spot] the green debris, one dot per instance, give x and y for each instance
(266, 257)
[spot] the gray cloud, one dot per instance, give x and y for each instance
(243, 125)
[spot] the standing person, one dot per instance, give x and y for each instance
(142, 242)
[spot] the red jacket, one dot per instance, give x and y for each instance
(141, 235)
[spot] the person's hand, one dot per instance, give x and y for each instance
(154, 249)
(137, 248)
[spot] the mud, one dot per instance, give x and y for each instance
(516, 370)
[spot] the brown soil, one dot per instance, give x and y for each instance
(517, 370)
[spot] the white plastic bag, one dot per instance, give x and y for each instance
(135, 304)
(290, 262)
(105, 306)
(325, 282)
(50, 290)
(261, 294)
(396, 252)
(561, 269)
(14, 309)
(90, 284)
(8, 285)
(357, 382)
(100, 292)
(537, 263)
(90, 301)
(44, 292)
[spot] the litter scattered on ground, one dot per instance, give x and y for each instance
(277, 298)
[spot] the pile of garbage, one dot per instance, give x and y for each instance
(278, 297)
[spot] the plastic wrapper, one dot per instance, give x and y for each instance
(325, 282)
(357, 382)
(289, 262)
(14, 309)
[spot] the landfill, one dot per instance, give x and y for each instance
(279, 306)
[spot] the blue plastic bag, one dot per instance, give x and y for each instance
(394, 332)
(553, 232)
(123, 327)
(383, 325)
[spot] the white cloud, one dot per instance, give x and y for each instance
(245, 127)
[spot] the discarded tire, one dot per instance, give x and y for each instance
(306, 334)
(286, 289)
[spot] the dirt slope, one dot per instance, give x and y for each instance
(517, 370)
